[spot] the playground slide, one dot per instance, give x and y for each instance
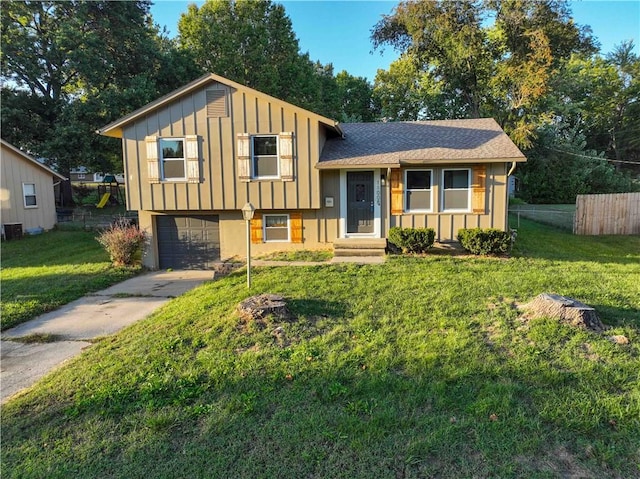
(103, 200)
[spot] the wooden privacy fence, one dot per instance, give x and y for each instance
(614, 214)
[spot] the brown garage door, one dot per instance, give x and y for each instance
(188, 242)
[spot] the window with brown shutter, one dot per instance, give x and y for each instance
(396, 192)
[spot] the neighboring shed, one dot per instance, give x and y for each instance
(26, 191)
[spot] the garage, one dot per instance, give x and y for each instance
(188, 242)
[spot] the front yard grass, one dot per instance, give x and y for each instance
(420, 367)
(41, 273)
(298, 255)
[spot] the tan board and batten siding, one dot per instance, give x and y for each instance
(220, 187)
(18, 168)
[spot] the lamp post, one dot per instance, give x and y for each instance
(247, 214)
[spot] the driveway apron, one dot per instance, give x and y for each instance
(69, 329)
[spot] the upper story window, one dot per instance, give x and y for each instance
(265, 157)
(172, 159)
(29, 195)
(265, 162)
(456, 191)
(418, 190)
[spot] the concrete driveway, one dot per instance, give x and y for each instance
(71, 327)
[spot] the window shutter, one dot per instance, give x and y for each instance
(478, 187)
(256, 228)
(244, 157)
(396, 192)
(295, 223)
(286, 155)
(153, 171)
(193, 159)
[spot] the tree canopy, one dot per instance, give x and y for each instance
(70, 67)
(527, 64)
(253, 43)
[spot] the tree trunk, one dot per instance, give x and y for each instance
(66, 193)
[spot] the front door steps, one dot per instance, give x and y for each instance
(359, 247)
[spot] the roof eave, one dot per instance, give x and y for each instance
(518, 159)
(32, 160)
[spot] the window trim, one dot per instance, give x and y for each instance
(407, 189)
(253, 157)
(468, 188)
(24, 196)
(161, 158)
(264, 228)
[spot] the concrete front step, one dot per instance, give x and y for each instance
(359, 243)
(359, 252)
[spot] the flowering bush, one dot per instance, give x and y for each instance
(123, 241)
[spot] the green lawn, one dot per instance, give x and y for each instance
(41, 273)
(420, 367)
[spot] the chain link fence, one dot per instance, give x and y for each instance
(560, 216)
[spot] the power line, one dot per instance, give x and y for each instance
(592, 157)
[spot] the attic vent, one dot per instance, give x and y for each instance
(217, 103)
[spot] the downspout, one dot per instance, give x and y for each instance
(509, 173)
(387, 209)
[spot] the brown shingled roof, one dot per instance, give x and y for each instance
(419, 142)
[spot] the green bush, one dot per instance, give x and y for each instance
(412, 240)
(485, 241)
(123, 241)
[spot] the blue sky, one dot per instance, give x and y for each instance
(338, 31)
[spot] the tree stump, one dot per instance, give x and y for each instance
(258, 307)
(565, 309)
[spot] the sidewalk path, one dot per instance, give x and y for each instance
(73, 326)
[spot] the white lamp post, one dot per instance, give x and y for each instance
(247, 214)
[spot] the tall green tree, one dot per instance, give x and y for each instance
(601, 96)
(253, 43)
(249, 41)
(356, 98)
(73, 66)
(500, 69)
(561, 166)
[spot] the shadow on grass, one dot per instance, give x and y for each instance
(618, 317)
(314, 307)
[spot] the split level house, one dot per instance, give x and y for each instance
(27, 198)
(196, 156)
